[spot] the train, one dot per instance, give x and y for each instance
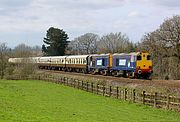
(132, 65)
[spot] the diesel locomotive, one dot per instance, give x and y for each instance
(133, 65)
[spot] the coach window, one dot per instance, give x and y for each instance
(139, 57)
(84, 61)
(148, 57)
(80, 61)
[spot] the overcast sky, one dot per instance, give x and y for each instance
(26, 21)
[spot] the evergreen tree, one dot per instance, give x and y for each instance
(56, 39)
(44, 49)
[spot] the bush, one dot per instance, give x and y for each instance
(20, 71)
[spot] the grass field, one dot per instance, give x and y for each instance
(39, 101)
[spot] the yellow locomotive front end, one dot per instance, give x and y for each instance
(144, 65)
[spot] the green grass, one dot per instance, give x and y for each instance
(39, 101)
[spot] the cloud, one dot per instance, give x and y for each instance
(29, 20)
(84, 4)
(133, 14)
(166, 3)
(14, 3)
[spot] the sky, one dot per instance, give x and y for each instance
(26, 21)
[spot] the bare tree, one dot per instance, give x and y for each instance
(85, 44)
(164, 44)
(36, 51)
(25, 69)
(73, 47)
(3, 58)
(115, 43)
(23, 50)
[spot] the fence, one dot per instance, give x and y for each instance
(157, 100)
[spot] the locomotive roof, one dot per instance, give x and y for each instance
(57, 57)
(100, 54)
(77, 56)
(121, 54)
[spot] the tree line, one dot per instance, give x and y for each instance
(163, 44)
(90, 43)
(56, 43)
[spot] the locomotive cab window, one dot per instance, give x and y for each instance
(148, 57)
(117, 62)
(103, 62)
(139, 57)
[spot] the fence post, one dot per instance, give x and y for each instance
(134, 95)
(143, 97)
(110, 90)
(71, 80)
(87, 86)
(64, 79)
(120, 93)
(117, 92)
(125, 94)
(97, 87)
(60, 81)
(82, 85)
(168, 101)
(103, 90)
(155, 99)
(67, 83)
(92, 86)
(78, 84)
(74, 83)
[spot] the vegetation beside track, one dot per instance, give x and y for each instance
(43, 101)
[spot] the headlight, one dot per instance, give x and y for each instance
(139, 71)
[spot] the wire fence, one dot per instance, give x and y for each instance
(157, 100)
